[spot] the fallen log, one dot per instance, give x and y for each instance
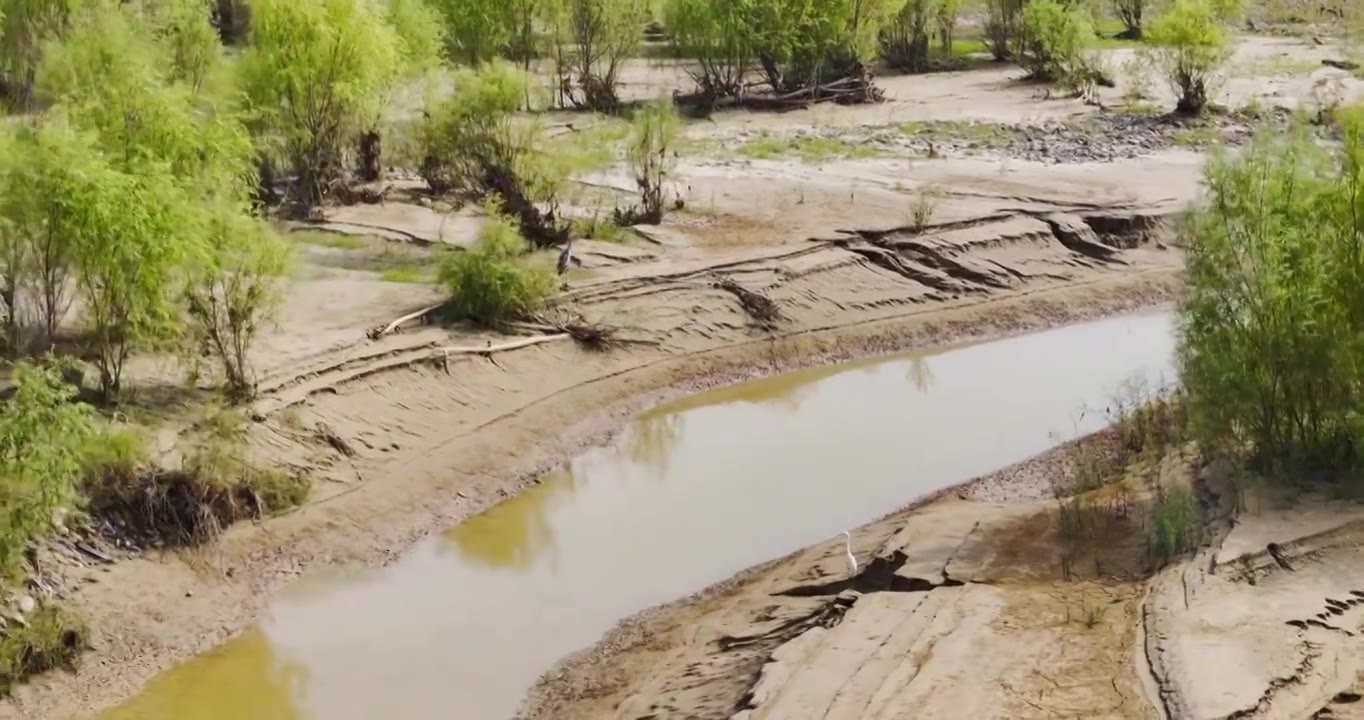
(1346, 65)
(443, 353)
(379, 331)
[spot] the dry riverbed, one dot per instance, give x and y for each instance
(413, 431)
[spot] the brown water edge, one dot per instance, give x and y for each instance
(268, 557)
(468, 631)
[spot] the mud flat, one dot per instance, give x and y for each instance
(970, 604)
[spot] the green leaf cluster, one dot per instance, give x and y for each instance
(1272, 328)
(495, 280)
(42, 436)
(122, 189)
(1188, 44)
(1052, 42)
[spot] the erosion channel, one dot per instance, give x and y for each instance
(687, 495)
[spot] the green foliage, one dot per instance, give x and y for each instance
(604, 34)
(51, 639)
(1188, 44)
(216, 486)
(421, 34)
(652, 155)
(1174, 523)
(906, 40)
(1002, 26)
(317, 74)
(803, 41)
(25, 27)
(42, 434)
(721, 37)
(496, 280)
(1052, 43)
(234, 292)
(1272, 327)
(474, 143)
(477, 30)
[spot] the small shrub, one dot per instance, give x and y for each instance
(43, 432)
(1174, 523)
(474, 143)
(52, 639)
(921, 211)
(215, 487)
(495, 280)
(234, 294)
(1187, 45)
(1052, 44)
(651, 154)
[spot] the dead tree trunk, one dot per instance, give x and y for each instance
(370, 155)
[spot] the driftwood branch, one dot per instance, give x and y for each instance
(381, 330)
(443, 353)
(850, 90)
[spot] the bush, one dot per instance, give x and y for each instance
(1175, 525)
(317, 73)
(722, 39)
(651, 154)
(233, 294)
(495, 280)
(51, 639)
(474, 144)
(42, 437)
(1272, 326)
(1187, 44)
(25, 28)
(215, 487)
(604, 34)
(1052, 44)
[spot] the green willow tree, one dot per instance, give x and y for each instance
(25, 28)
(1272, 327)
(315, 72)
(143, 171)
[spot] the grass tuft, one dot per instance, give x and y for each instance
(52, 638)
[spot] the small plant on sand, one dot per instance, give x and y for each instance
(496, 280)
(215, 487)
(1187, 44)
(921, 210)
(1174, 523)
(1094, 614)
(49, 638)
(1052, 43)
(232, 295)
(652, 155)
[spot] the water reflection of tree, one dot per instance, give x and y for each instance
(650, 441)
(244, 678)
(919, 373)
(515, 532)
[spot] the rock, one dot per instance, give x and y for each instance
(189, 593)
(24, 603)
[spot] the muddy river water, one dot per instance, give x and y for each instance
(689, 494)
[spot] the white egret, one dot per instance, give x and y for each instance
(848, 555)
